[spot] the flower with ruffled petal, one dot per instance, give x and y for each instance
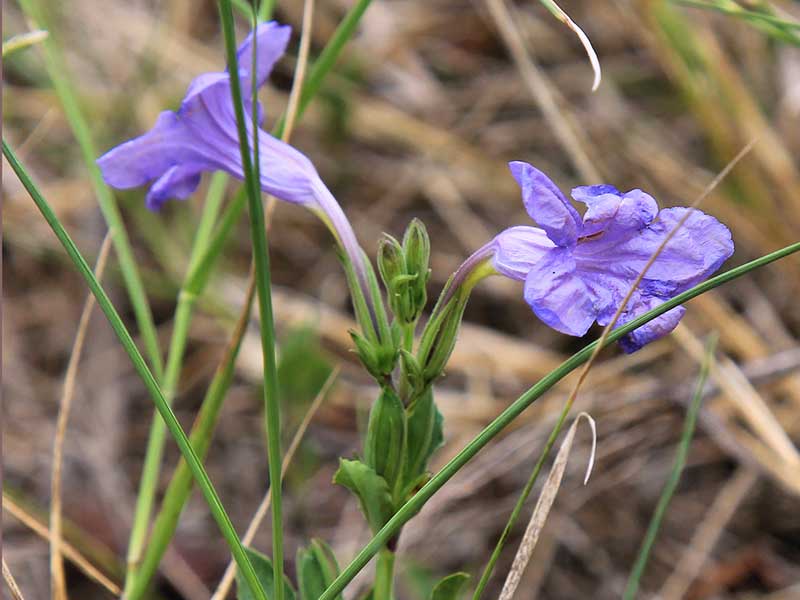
(202, 136)
(577, 270)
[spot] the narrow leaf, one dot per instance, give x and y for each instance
(675, 475)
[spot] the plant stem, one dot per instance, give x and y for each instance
(181, 483)
(413, 505)
(198, 275)
(681, 454)
(174, 427)
(151, 468)
(384, 575)
(258, 235)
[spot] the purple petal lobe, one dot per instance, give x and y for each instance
(609, 210)
(652, 330)
(517, 249)
(178, 182)
(148, 156)
(271, 41)
(557, 294)
(696, 251)
(546, 204)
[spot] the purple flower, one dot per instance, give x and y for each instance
(578, 270)
(203, 136)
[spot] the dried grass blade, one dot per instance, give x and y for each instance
(69, 551)
(58, 579)
(16, 593)
(543, 506)
(559, 14)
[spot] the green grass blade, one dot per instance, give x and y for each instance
(681, 454)
(199, 473)
(151, 468)
(412, 507)
(258, 234)
(108, 205)
(326, 60)
(769, 23)
(180, 485)
(196, 280)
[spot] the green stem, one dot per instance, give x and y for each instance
(384, 575)
(108, 205)
(258, 234)
(196, 280)
(181, 483)
(199, 473)
(151, 468)
(327, 58)
(413, 505)
(681, 454)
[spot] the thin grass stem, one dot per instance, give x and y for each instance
(151, 468)
(108, 204)
(678, 465)
(16, 593)
(258, 237)
(57, 577)
(174, 427)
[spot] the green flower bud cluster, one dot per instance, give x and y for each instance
(405, 272)
(405, 426)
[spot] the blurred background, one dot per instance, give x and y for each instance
(418, 119)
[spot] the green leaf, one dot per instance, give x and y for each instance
(370, 488)
(266, 577)
(450, 587)
(425, 436)
(384, 447)
(316, 569)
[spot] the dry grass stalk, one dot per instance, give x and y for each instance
(711, 527)
(543, 506)
(58, 581)
(16, 593)
(745, 398)
(541, 90)
(68, 550)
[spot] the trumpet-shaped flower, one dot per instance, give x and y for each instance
(577, 270)
(202, 136)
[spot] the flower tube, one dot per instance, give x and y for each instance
(202, 136)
